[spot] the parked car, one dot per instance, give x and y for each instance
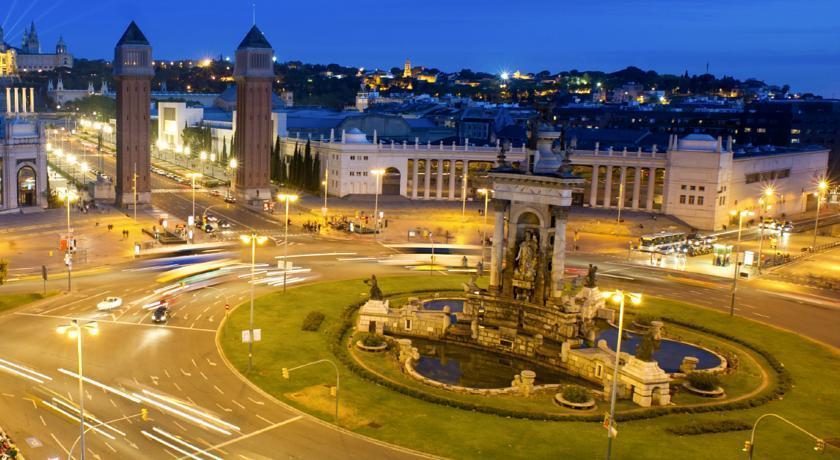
(160, 315)
(230, 199)
(109, 303)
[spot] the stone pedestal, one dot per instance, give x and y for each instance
(651, 385)
(372, 317)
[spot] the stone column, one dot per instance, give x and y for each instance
(637, 187)
(608, 188)
(497, 253)
(651, 188)
(427, 180)
(415, 174)
(558, 257)
(622, 187)
(439, 195)
(593, 187)
(451, 180)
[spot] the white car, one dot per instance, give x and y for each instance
(109, 303)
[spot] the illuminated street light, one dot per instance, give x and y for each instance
(232, 164)
(253, 239)
(287, 198)
(735, 271)
(193, 177)
(378, 173)
(764, 207)
(486, 192)
(618, 297)
(821, 188)
(75, 330)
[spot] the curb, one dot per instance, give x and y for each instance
(295, 410)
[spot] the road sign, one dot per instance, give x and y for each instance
(227, 306)
(44, 272)
(257, 335)
(613, 432)
(246, 336)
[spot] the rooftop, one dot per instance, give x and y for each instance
(133, 36)
(254, 39)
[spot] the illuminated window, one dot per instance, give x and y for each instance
(682, 199)
(691, 199)
(700, 200)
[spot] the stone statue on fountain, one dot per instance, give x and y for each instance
(525, 272)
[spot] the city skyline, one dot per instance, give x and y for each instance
(768, 47)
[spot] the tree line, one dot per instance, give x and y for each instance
(301, 170)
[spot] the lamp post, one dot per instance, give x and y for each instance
(464, 192)
(85, 168)
(286, 198)
(378, 173)
(735, 271)
(253, 239)
(68, 196)
(203, 157)
(821, 188)
(764, 207)
(71, 160)
(74, 330)
(326, 184)
(486, 192)
(193, 176)
(232, 164)
(620, 199)
(636, 299)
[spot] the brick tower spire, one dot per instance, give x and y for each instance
(254, 74)
(133, 73)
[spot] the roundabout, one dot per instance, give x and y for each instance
(379, 400)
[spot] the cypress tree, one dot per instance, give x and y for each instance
(272, 164)
(293, 168)
(306, 182)
(316, 172)
(275, 170)
(223, 156)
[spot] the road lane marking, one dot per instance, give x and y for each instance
(264, 419)
(239, 405)
(202, 374)
(186, 374)
(44, 422)
(259, 403)
(609, 275)
(75, 301)
(23, 371)
(109, 446)
(223, 408)
(60, 444)
(218, 389)
(177, 386)
(218, 447)
(126, 323)
(759, 314)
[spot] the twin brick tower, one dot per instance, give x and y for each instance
(133, 72)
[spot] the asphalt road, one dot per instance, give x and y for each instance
(176, 362)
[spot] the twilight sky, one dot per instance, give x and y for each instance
(780, 41)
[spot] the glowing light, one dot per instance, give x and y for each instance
(505, 75)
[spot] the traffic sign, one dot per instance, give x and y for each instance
(246, 336)
(227, 306)
(257, 335)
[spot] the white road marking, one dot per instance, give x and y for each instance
(177, 386)
(265, 419)
(186, 374)
(223, 408)
(239, 405)
(759, 314)
(218, 389)
(44, 422)
(202, 374)
(259, 403)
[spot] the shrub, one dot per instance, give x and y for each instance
(373, 340)
(644, 319)
(704, 381)
(712, 426)
(576, 394)
(313, 321)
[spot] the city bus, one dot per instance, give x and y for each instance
(450, 255)
(661, 242)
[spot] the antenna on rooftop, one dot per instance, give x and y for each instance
(254, 12)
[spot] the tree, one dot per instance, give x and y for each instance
(316, 173)
(277, 157)
(306, 179)
(223, 157)
(272, 164)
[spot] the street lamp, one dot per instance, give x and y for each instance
(749, 446)
(287, 198)
(71, 160)
(68, 196)
(85, 168)
(486, 192)
(75, 330)
(464, 191)
(764, 207)
(821, 188)
(378, 173)
(203, 157)
(232, 164)
(735, 271)
(253, 239)
(635, 299)
(193, 176)
(326, 184)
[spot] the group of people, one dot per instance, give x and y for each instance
(7, 447)
(312, 226)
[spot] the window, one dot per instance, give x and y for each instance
(352, 173)
(366, 157)
(407, 324)
(700, 200)
(794, 140)
(761, 130)
(693, 188)
(702, 188)
(682, 199)
(795, 131)
(691, 199)
(722, 201)
(599, 370)
(683, 187)
(352, 157)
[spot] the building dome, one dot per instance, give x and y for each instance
(355, 136)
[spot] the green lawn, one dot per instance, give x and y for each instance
(10, 301)
(384, 414)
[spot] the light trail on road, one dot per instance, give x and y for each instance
(24, 372)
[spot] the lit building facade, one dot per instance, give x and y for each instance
(23, 161)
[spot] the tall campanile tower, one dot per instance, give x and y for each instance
(133, 72)
(254, 74)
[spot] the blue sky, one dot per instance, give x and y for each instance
(794, 41)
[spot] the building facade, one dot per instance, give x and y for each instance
(697, 178)
(30, 58)
(23, 160)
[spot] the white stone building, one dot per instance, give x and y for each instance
(23, 161)
(696, 178)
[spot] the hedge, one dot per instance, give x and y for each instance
(711, 426)
(313, 321)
